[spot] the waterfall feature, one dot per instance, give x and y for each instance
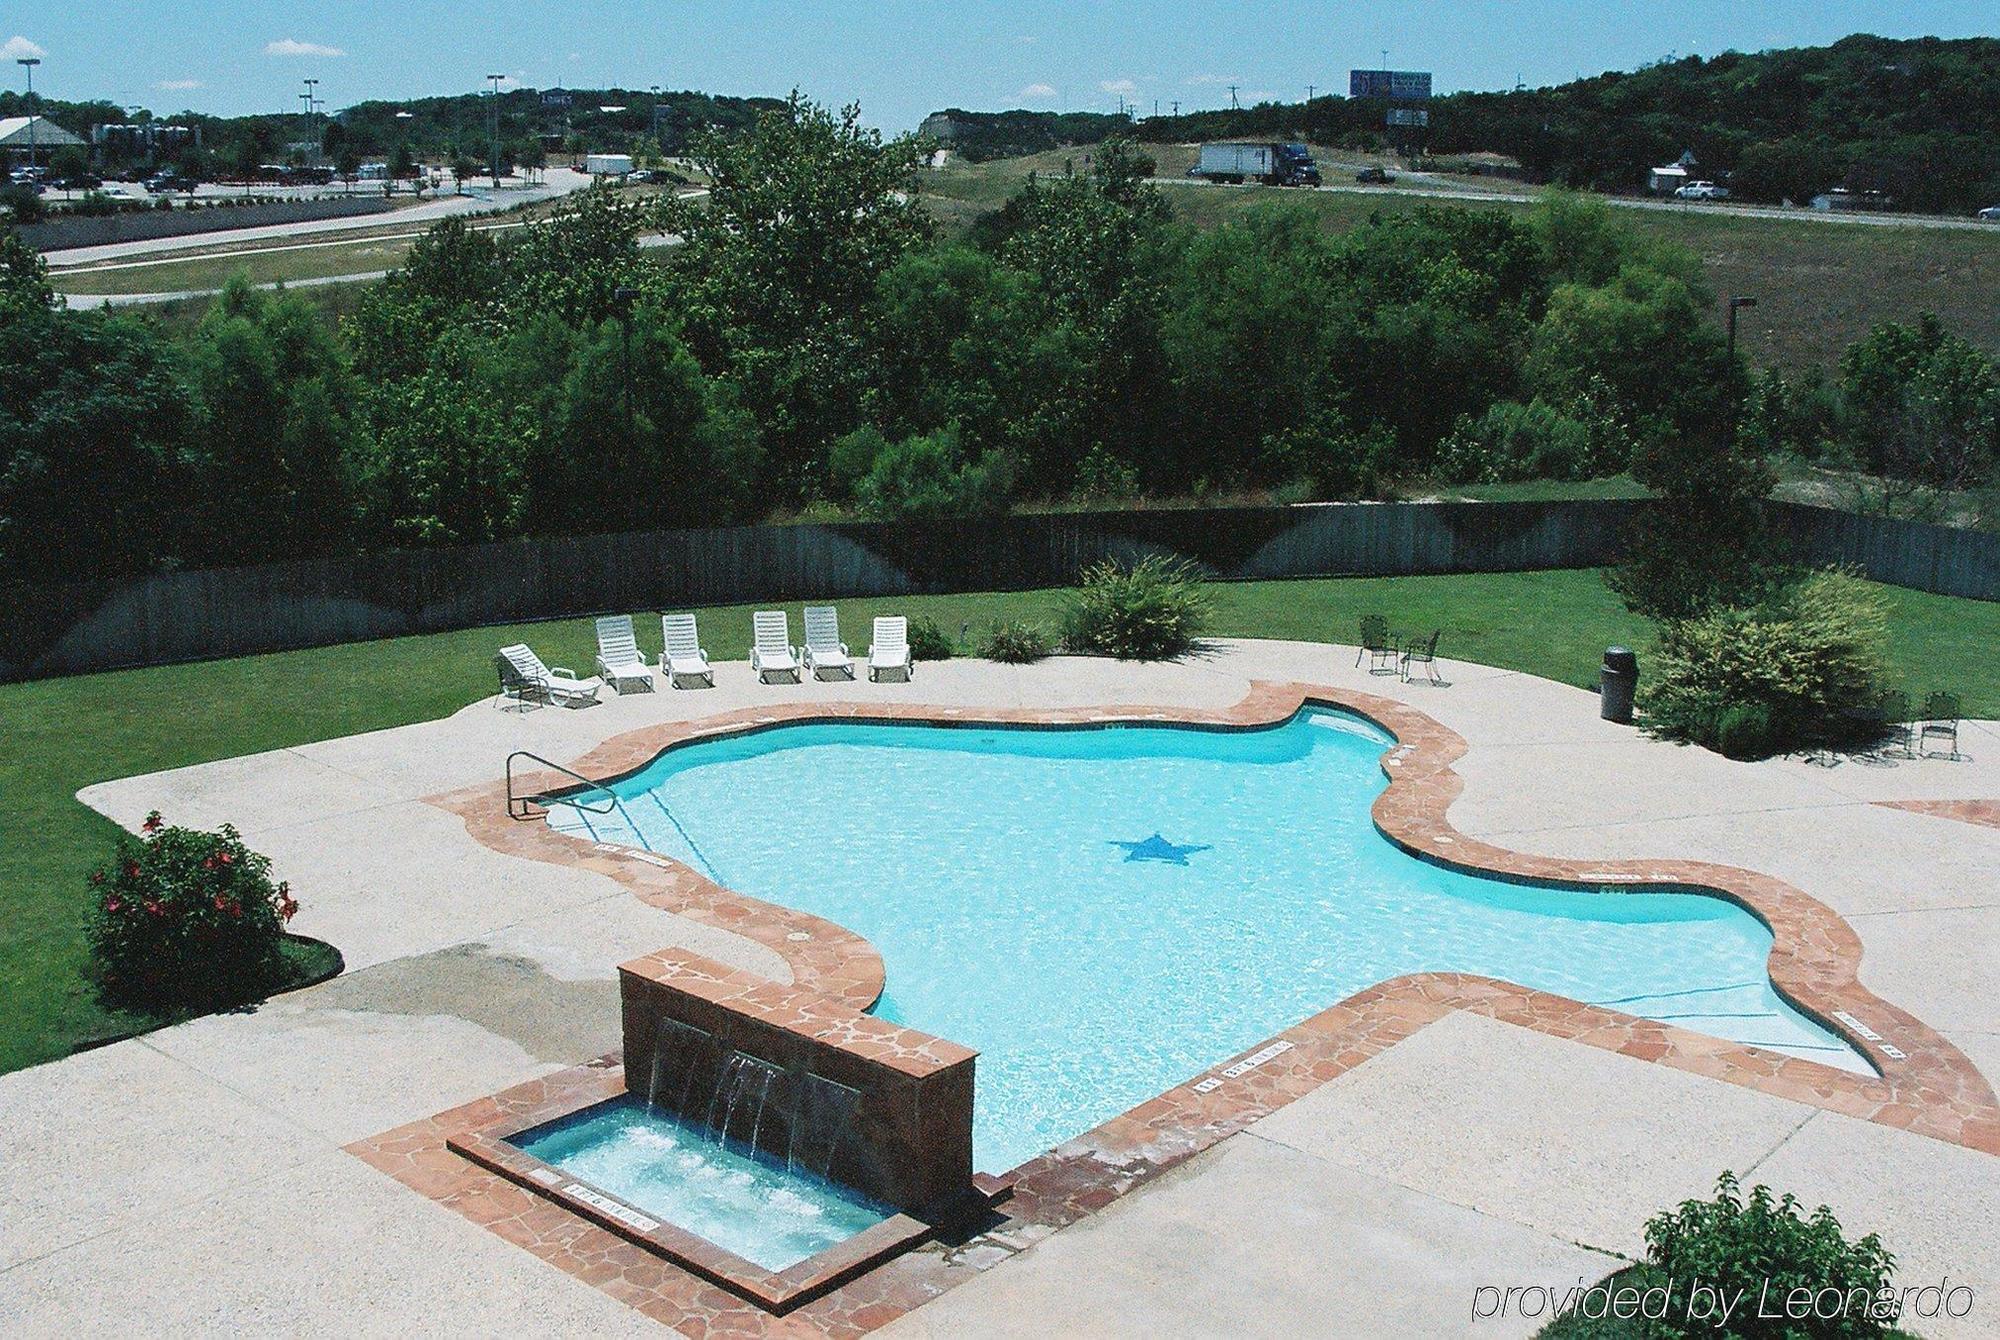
(793, 1116)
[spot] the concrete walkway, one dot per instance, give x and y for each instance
(193, 1180)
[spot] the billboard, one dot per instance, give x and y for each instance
(1409, 116)
(1396, 85)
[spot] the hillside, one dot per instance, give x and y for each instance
(1918, 119)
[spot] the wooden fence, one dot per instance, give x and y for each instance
(50, 629)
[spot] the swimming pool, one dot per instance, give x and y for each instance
(1104, 912)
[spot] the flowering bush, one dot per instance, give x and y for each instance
(1152, 610)
(187, 919)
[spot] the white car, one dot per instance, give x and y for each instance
(1991, 214)
(1702, 190)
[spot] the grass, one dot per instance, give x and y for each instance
(195, 274)
(1819, 285)
(65, 734)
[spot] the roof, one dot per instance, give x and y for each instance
(47, 134)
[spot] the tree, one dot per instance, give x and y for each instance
(1704, 543)
(402, 163)
(68, 163)
(93, 424)
(275, 429)
(638, 442)
(1924, 406)
(804, 215)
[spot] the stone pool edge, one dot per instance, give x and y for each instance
(1926, 1085)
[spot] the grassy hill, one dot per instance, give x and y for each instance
(1919, 119)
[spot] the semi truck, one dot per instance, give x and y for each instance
(1270, 164)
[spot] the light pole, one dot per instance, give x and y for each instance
(495, 80)
(1735, 304)
(29, 63)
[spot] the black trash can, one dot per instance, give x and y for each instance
(1616, 683)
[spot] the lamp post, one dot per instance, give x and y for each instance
(495, 79)
(1736, 304)
(626, 296)
(29, 63)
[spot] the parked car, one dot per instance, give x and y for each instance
(1702, 190)
(1374, 176)
(1991, 214)
(166, 183)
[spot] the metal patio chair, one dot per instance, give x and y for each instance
(1899, 734)
(1941, 711)
(1377, 645)
(1423, 652)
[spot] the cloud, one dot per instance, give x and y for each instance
(1037, 91)
(1213, 79)
(177, 85)
(20, 48)
(291, 46)
(1125, 86)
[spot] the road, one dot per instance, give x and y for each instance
(1431, 186)
(557, 182)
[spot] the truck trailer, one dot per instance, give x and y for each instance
(1269, 164)
(608, 165)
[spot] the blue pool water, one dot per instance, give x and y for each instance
(1103, 913)
(762, 1212)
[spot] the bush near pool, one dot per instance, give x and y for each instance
(187, 919)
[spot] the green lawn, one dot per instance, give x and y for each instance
(64, 734)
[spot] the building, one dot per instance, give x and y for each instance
(556, 97)
(145, 138)
(1670, 177)
(23, 137)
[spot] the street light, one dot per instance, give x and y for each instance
(29, 63)
(496, 81)
(1736, 303)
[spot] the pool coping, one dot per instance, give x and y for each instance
(1925, 1084)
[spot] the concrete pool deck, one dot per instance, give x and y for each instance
(195, 1178)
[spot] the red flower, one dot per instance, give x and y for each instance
(112, 905)
(152, 907)
(225, 857)
(220, 902)
(287, 905)
(153, 823)
(131, 870)
(236, 909)
(97, 877)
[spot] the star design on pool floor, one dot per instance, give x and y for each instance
(1157, 848)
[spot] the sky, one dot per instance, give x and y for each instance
(898, 58)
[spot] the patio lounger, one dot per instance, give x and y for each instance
(891, 648)
(683, 657)
(824, 651)
(771, 652)
(618, 658)
(523, 676)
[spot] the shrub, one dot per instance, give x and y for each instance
(1016, 642)
(1767, 1248)
(1150, 611)
(1751, 682)
(1324, 459)
(928, 476)
(928, 642)
(1102, 477)
(1535, 441)
(187, 920)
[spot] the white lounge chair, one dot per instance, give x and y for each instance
(772, 652)
(824, 653)
(523, 677)
(683, 656)
(891, 648)
(618, 659)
